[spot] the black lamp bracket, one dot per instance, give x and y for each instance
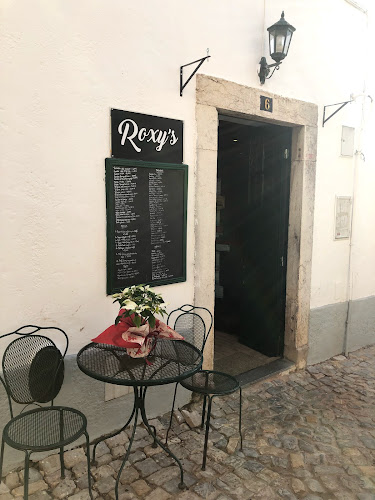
(200, 61)
(264, 70)
(277, 66)
(341, 104)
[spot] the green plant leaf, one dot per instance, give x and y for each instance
(152, 321)
(137, 320)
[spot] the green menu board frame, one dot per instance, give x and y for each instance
(146, 223)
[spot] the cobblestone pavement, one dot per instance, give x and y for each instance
(307, 435)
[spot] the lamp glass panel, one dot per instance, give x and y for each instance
(280, 42)
(272, 42)
(287, 43)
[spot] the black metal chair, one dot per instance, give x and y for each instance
(195, 324)
(33, 372)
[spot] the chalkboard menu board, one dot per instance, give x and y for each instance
(146, 223)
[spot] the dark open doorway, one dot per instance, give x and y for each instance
(251, 243)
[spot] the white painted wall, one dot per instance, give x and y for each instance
(65, 63)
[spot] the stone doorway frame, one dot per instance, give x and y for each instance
(214, 96)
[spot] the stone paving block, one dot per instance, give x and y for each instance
(164, 460)
(314, 486)
(151, 451)
(83, 482)
(40, 495)
(297, 460)
(160, 477)
(147, 467)
(128, 475)
(173, 486)
(158, 494)
(331, 483)
(12, 480)
(284, 493)
(55, 478)
(271, 477)
(240, 492)
(140, 433)
(142, 443)
(253, 466)
(118, 451)
(297, 485)
(265, 494)
(64, 489)
(141, 488)
(101, 449)
(33, 488)
(188, 495)
(103, 459)
(6, 496)
(80, 469)
(104, 486)
(83, 495)
(4, 489)
(205, 490)
(118, 440)
(34, 475)
(136, 456)
(327, 469)
(367, 470)
(73, 457)
(50, 464)
(103, 472)
(123, 494)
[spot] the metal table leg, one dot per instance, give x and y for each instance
(139, 406)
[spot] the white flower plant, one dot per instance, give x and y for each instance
(141, 301)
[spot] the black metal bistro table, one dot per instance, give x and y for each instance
(170, 361)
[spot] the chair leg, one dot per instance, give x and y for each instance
(240, 419)
(207, 431)
(26, 475)
(204, 411)
(62, 463)
(88, 464)
(170, 420)
(1, 458)
(61, 440)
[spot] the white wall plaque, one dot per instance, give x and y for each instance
(347, 141)
(343, 213)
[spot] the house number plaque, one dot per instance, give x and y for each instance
(266, 103)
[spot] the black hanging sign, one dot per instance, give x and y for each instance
(146, 223)
(136, 136)
(266, 103)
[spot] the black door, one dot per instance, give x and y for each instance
(253, 200)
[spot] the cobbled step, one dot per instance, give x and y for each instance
(263, 372)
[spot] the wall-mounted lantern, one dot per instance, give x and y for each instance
(280, 36)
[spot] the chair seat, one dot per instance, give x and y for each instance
(45, 428)
(211, 382)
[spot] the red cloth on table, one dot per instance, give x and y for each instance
(138, 341)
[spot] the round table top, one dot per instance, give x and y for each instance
(170, 361)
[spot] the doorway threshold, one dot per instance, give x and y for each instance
(264, 372)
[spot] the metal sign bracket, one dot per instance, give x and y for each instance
(200, 61)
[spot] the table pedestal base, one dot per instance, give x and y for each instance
(139, 408)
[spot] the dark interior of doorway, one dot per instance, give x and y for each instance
(251, 243)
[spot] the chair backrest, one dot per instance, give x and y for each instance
(193, 323)
(33, 367)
